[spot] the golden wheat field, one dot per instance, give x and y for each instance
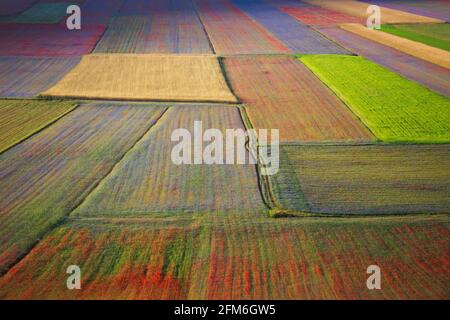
(145, 77)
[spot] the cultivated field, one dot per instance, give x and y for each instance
(59, 167)
(145, 77)
(394, 109)
(364, 179)
(29, 76)
(238, 259)
(92, 121)
(426, 73)
(147, 183)
(279, 91)
(435, 35)
(20, 119)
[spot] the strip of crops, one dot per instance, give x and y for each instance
(427, 74)
(45, 177)
(145, 77)
(47, 40)
(364, 179)
(232, 32)
(435, 35)
(297, 37)
(359, 9)
(166, 27)
(413, 48)
(435, 9)
(395, 109)
(148, 182)
(270, 259)
(21, 118)
(281, 93)
(317, 16)
(29, 76)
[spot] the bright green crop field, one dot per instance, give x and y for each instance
(393, 108)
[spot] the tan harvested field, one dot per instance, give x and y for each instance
(145, 77)
(416, 49)
(281, 93)
(358, 9)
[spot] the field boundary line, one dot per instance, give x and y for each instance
(97, 185)
(375, 138)
(267, 195)
(194, 6)
(223, 68)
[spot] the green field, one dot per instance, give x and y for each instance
(393, 108)
(435, 35)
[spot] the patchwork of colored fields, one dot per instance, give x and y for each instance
(232, 32)
(45, 177)
(222, 259)
(281, 93)
(147, 182)
(428, 74)
(364, 179)
(19, 119)
(395, 109)
(298, 38)
(145, 77)
(364, 175)
(436, 35)
(29, 76)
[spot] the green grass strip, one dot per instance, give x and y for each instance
(393, 108)
(435, 35)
